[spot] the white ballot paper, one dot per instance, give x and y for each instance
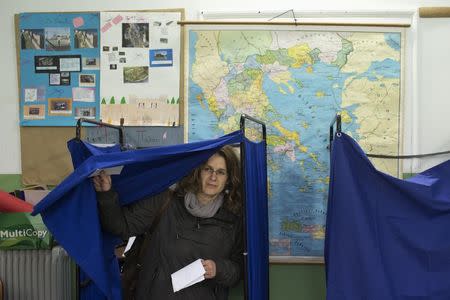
(187, 276)
(109, 171)
(129, 244)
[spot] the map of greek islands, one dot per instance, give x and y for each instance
(296, 82)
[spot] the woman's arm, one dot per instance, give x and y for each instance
(126, 221)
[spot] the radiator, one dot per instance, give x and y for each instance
(37, 274)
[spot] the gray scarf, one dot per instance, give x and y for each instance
(203, 211)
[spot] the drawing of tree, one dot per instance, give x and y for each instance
(122, 101)
(103, 101)
(112, 101)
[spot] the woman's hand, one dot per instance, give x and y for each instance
(210, 268)
(102, 182)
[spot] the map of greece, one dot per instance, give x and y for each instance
(296, 82)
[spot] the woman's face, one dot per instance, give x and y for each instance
(213, 176)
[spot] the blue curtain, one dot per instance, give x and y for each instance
(70, 210)
(386, 238)
(257, 221)
(80, 151)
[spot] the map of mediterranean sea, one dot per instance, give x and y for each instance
(296, 82)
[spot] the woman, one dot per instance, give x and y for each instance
(203, 220)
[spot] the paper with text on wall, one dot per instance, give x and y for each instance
(109, 171)
(187, 276)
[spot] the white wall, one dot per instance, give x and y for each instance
(434, 89)
(432, 86)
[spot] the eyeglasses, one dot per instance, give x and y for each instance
(219, 172)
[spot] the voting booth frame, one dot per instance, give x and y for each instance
(255, 216)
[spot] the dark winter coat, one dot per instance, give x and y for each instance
(178, 240)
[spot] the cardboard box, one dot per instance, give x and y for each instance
(23, 231)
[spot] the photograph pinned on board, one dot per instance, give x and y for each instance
(30, 95)
(90, 63)
(34, 112)
(83, 94)
(65, 78)
(113, 66)
(86, 38)
(32, 39)
(161, 58)
(46, 64)
(85, 112)
(122, 60)
(122, 53)
(135, 35)
(54, 79)
(59, 106)
(33, 94)
(57, 38)
(112, 57)
(87, 80)
(105, 48)
(164, 40)
(115, 48)
(70, 63)
(135, 74)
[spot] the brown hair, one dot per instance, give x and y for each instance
(232, 192)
